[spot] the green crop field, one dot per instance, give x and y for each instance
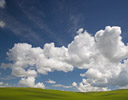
(43, 94)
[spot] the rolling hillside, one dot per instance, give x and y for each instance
(42, 94)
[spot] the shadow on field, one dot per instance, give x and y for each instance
(110, 94)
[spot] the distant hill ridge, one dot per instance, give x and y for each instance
(44, 94)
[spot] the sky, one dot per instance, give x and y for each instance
(71, 45)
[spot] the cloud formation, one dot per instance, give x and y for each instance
(30, 82)
(2, 24)
(60, 85)
(51, 81)
(1, 83)
(84, 86)
(2, 3)
(57, 85)
(103, 55)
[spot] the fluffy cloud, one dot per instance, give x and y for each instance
(110, 45)
(40, 85)
(60, 85)
(84, 86)
(51, 81)
(81, 50)
(74, 84)
(30, 82)
(2, 3)
(108, 64)
(45, 60)
(103, 55)
(1, 83)
(57, 85)
(2, 24)
(20, 72)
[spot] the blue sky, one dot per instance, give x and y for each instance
(38, 22)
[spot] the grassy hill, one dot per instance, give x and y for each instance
(42, 94)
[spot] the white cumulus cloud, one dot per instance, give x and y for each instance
(40, 85)
(20, 72)
(45, 60)
(104, 56)
(84, 86)
(30, 82)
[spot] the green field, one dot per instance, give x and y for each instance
(43, 94)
